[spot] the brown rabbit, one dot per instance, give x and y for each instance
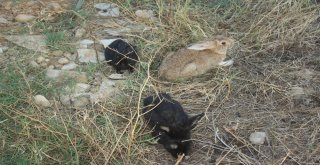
(196, 59)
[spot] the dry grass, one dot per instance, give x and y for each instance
(276, 42)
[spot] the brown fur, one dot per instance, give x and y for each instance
(188, 62)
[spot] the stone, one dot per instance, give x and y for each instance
(57, 53)
(106, 90)
(60, 75)
(70, 66)
(46, 60)
(89, 56)
(63, 61)
(144, 14)
(34, 64)
(41, 101)
(107, 10)
(36, 43)
(81, 88)
(43, 64)
(53, 73)
(117, 77)
(297, 91)
(86, 43)
(40, 59)
(107, 42)
(24, 18)
(3, 21)
(66, 100)
(258, 138)
(51, 67)
(58, 66)
(80, 32)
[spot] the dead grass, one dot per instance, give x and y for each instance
(276, 41)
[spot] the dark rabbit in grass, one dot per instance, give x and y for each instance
(171, 123)
(121, 55)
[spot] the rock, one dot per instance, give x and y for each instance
(63, 61)
(106, 90)
(3, 49)
(70, 66)
(79, 33)
(54, 6)
(34, 64)
(81, 101)
(36, 43)
(107, 10)
(41, 101)
(89, 56)
(144, 14)
(86, 43)
(117, 77)
(61, 75)
(57, 53)
(24, 18)
(107, 42)
(46, 60)
(51, 67)
(58, 66)
(40, 59)
(3, 21)
(258, 138)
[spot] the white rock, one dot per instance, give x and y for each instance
(106, 89)
(40, 59)
(89, 56)
(107, 42)
(51, 67)
(41, 101)
(107, 10)
(1, 50)
(61, 75)
(34, 64)
(63, 61)
(3, 21)
(117, 77)
(80, 32)
(86, 43)
(24, 18)
(258, 138)
(46, 60)
(70, 66)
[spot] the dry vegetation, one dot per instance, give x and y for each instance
(277, 48)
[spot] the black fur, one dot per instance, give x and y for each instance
(163, 111)
(121, 55)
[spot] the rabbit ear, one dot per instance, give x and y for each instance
(194, 120)
(201, 46)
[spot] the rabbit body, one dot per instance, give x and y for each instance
(121, 55)
(171, 123)
(196, 59)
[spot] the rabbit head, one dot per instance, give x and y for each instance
(218, 44)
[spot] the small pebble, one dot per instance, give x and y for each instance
(40, 59)
(34, 64)
(24, 18)
(63, 61)
(57, 53)
(41, 101)
(258, 138)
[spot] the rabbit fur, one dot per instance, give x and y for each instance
(170, 123)
(196, 59)
(121, 55)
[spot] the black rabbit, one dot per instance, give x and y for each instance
(121, 55)
(171, 123)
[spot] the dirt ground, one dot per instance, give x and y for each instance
(278, 93)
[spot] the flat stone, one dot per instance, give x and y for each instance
(70, 66)
(107, 10)
(41, 101)
(24, 18)
(145, 14)
(51, 67)
(106, 90)
(81, 88)
(57, 53)
(36, 43)
(86, 43)
(89, 56)
(60, 75)
(107, 42)
(117, 77)
(258, 138)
